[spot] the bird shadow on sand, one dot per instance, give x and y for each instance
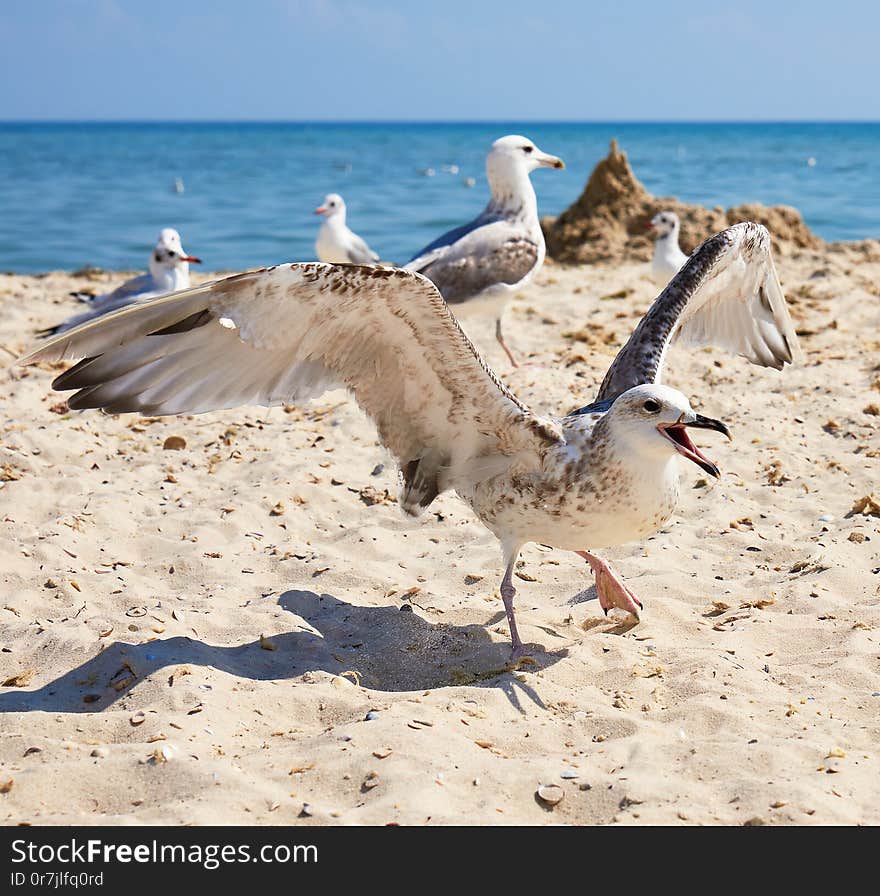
(390, 649)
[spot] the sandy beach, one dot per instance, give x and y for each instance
(227, 619)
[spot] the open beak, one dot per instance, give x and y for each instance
(320, 209)
(649, 225)
(191, 259)
(678, 435)
(548, 161)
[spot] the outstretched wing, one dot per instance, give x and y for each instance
(288, 333)
(727, 294)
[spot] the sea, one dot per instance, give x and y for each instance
(243, 195)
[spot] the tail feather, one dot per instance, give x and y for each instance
(420, 485)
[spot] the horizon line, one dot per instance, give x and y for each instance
(437, 121)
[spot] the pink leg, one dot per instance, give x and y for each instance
(503, 345)
(612, 592)
(507, 594)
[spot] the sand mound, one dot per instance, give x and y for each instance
(609, 220)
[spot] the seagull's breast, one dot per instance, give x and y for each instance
(331, 246)
(666, 262)
(491, 302)
(582, 496)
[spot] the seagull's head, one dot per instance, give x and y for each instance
(513, 154)
(664, 223)
(332, 206)
(168, 253)
(653, 421)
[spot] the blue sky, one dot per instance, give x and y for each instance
(444, 60)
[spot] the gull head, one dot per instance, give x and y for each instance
(332, 207)
(652, 421)
(513, 156)
(664, 223)
(168, 253)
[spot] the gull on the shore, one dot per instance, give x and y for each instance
(668, 258)
(168, 272)
(337, 243)
(477, 267)
(603, 475)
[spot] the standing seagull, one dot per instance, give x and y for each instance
(668, 257)
(337, 243)
(169, 272)
(479, 265)
(603, 475)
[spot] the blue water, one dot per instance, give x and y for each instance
(73, 195)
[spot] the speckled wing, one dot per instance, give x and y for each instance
(289, 333)
(728, 294)
(436, 248)
(493, 253)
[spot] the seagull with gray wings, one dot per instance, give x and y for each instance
(604, 475)
(479, 266)
(168, 272)
(337, 243)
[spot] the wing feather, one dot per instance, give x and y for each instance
(492, 255)
(140, 285)
(727, 294)
(446, 241)
(137, 290)
(359, 252)
(287, 334)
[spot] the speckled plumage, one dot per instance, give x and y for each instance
(503, 256)
(583, 491)
(602, 476)
(727, 294)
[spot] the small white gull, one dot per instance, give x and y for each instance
(337, 243)
(603, 475)
(168, 272)
(668, 257)
(477, 267)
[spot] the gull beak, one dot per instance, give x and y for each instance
(701, 422)
(191, 259)
(649, 225)
(678, 435)
(320, 209)
(547, 161)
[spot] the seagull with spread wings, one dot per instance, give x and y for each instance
(603, 475)
(478, 267)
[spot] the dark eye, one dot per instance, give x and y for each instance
(527, 148)
(653, 407)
